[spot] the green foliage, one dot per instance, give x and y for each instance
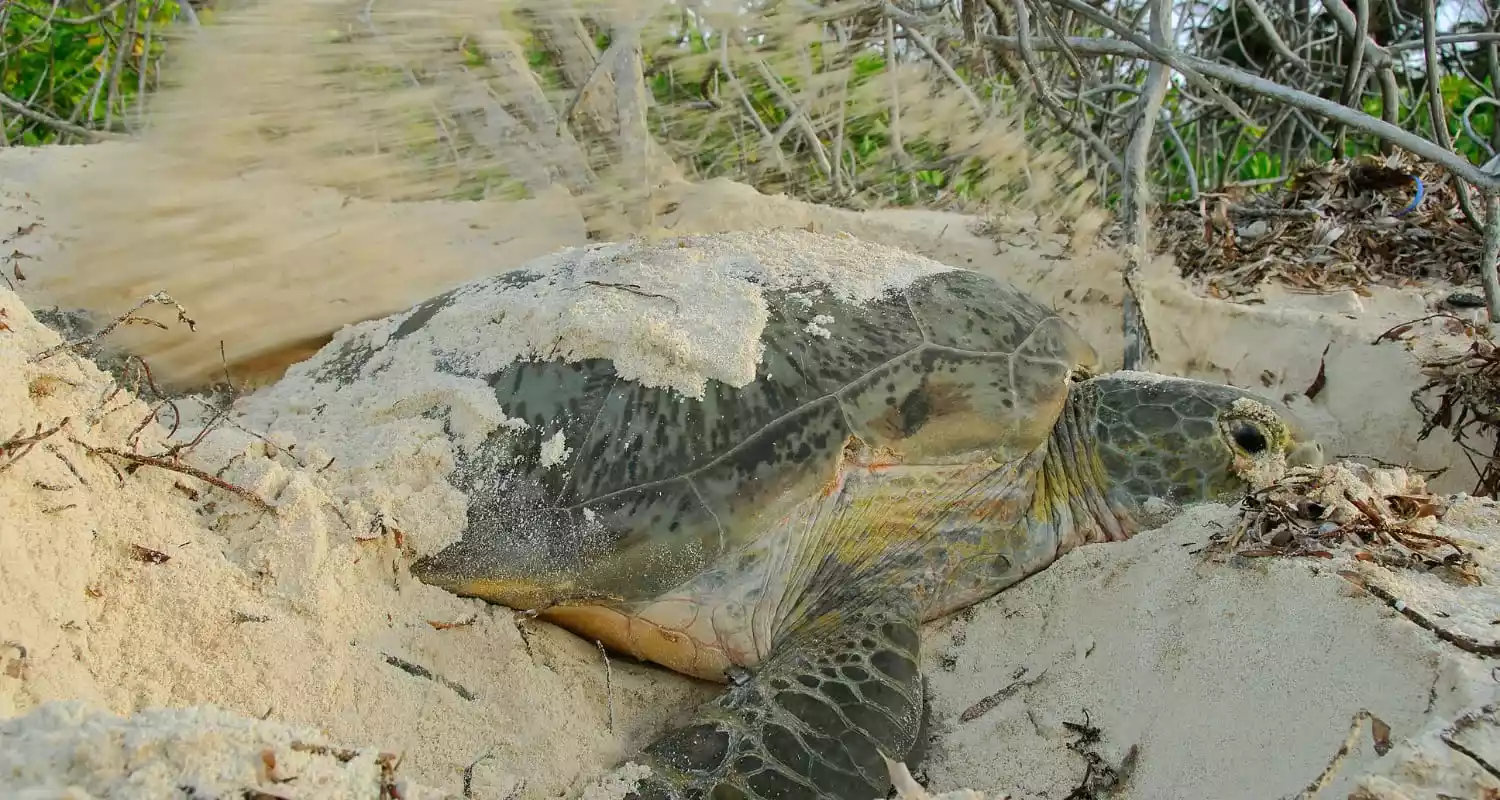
(62, 68)
(1458, 92)
(1247, 162)
(718, 141)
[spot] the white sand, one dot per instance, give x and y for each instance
(1234, 682)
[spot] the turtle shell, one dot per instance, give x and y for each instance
(951, 367)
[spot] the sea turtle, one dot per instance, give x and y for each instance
(914, 439)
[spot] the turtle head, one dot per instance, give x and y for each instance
(1182, 440)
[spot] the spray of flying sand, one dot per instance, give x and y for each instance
(312, 163)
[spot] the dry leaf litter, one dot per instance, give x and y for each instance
(1342, 224)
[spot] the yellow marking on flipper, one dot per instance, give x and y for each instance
(889, 512)
(642, 638)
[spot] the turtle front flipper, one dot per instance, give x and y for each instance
(837, 693)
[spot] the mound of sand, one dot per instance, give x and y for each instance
(1233, 680)
(241, 598)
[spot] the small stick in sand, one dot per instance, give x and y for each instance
(419, 671)
(987, 704)
(1393, 333)
(1458, 727)
(176, 466)
(609, 685)
(220, 417)
(26, 443)
(1379, 731)
(519, 619)
(388, 763)
(1459, 640)
(469, 773)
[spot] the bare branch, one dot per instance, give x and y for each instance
(1161, 53)
(62, 126)
(1044, 94)
(796, 115)
(1438, 106)
(1354, 79)
(1487, 261)
(948, 72)
(1136, 195)
(1297, 98)
(1277, 43)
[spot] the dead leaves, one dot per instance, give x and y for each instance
(1353, 509)
(1313, 513)
(146, 555)
(1466, 386)
(1338, 225)
(1321, 380)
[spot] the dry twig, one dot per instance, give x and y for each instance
(175, 465)
(1467, 385)
(26, 443)
(1380, 733)
(128, 318)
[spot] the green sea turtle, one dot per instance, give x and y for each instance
(904, 439)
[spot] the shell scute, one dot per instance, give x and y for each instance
(776, 467)
(968, 311)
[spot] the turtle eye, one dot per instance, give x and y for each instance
(1249, 438)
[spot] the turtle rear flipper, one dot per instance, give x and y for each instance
(838, 693)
